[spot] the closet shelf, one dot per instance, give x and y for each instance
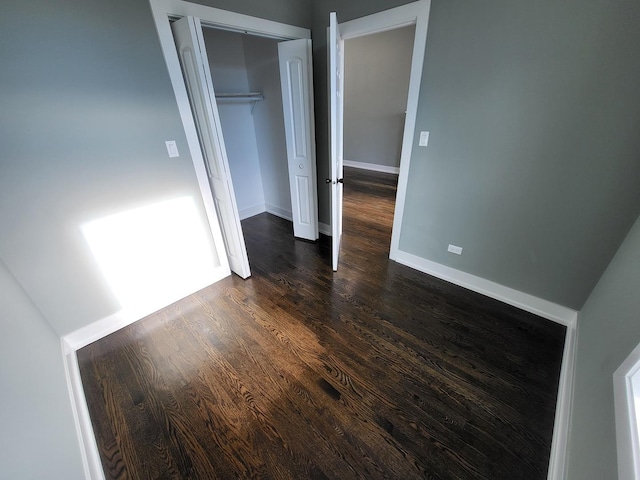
(250, 97)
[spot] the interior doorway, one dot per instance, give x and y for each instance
(377, 69)
(414, 14)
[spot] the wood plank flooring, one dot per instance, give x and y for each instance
(376, 371)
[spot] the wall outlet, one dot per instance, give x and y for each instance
(172, 148)
(424, 139)
(454, 249)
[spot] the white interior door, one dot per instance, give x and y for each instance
(189, 40)
(296, 79)
(336, 115)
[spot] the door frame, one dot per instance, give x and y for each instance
(165, 10)
(626, 417)
(416, 13)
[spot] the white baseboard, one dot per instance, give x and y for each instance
(86, 437)
(278, 212)
(561, 424)
(251, 211)
(286, 214)
(71, 343)
(324, 228)
(543, 308)
(371, 166)
(99, 329)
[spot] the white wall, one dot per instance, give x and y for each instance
(229, 74)
(377, 69)
(37, 435)
(254, 138)
(264, 75)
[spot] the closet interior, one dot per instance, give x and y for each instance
(246, 79)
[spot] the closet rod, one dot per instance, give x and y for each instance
(240, 97)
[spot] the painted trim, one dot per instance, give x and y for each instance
(423, 8)
(78, 339)
(371, 166)
(105, 326)
(391, 19)
(543, 308)
(279, 212)
(227, 20)
(627, 441)
(564, 402)
(161, 10)
(538, 306)
(324, 228)
(99, 329)
(84, 429)
(251, 211)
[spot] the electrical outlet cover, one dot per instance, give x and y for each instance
(454, 249)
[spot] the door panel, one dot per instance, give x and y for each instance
(336, 114)
(303, 192)
(297, 100)
(195, 68)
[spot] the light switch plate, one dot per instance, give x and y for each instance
(424, 139)
(172, 148)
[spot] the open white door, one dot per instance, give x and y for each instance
(336, 114)
(296, 79)
(189, 40)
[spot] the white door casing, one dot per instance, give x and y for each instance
(195, 67)
(336, 120)
(296, 79)
(415, 13)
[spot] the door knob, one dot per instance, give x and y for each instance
(328, 180)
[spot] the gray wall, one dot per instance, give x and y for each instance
(532, 164)
(87, 106)
(608, 331)
(37, 435)
(376, 84)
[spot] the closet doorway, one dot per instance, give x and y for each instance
(181, 27)
(246, 77)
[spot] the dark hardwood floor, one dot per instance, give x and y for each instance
(376, 371)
